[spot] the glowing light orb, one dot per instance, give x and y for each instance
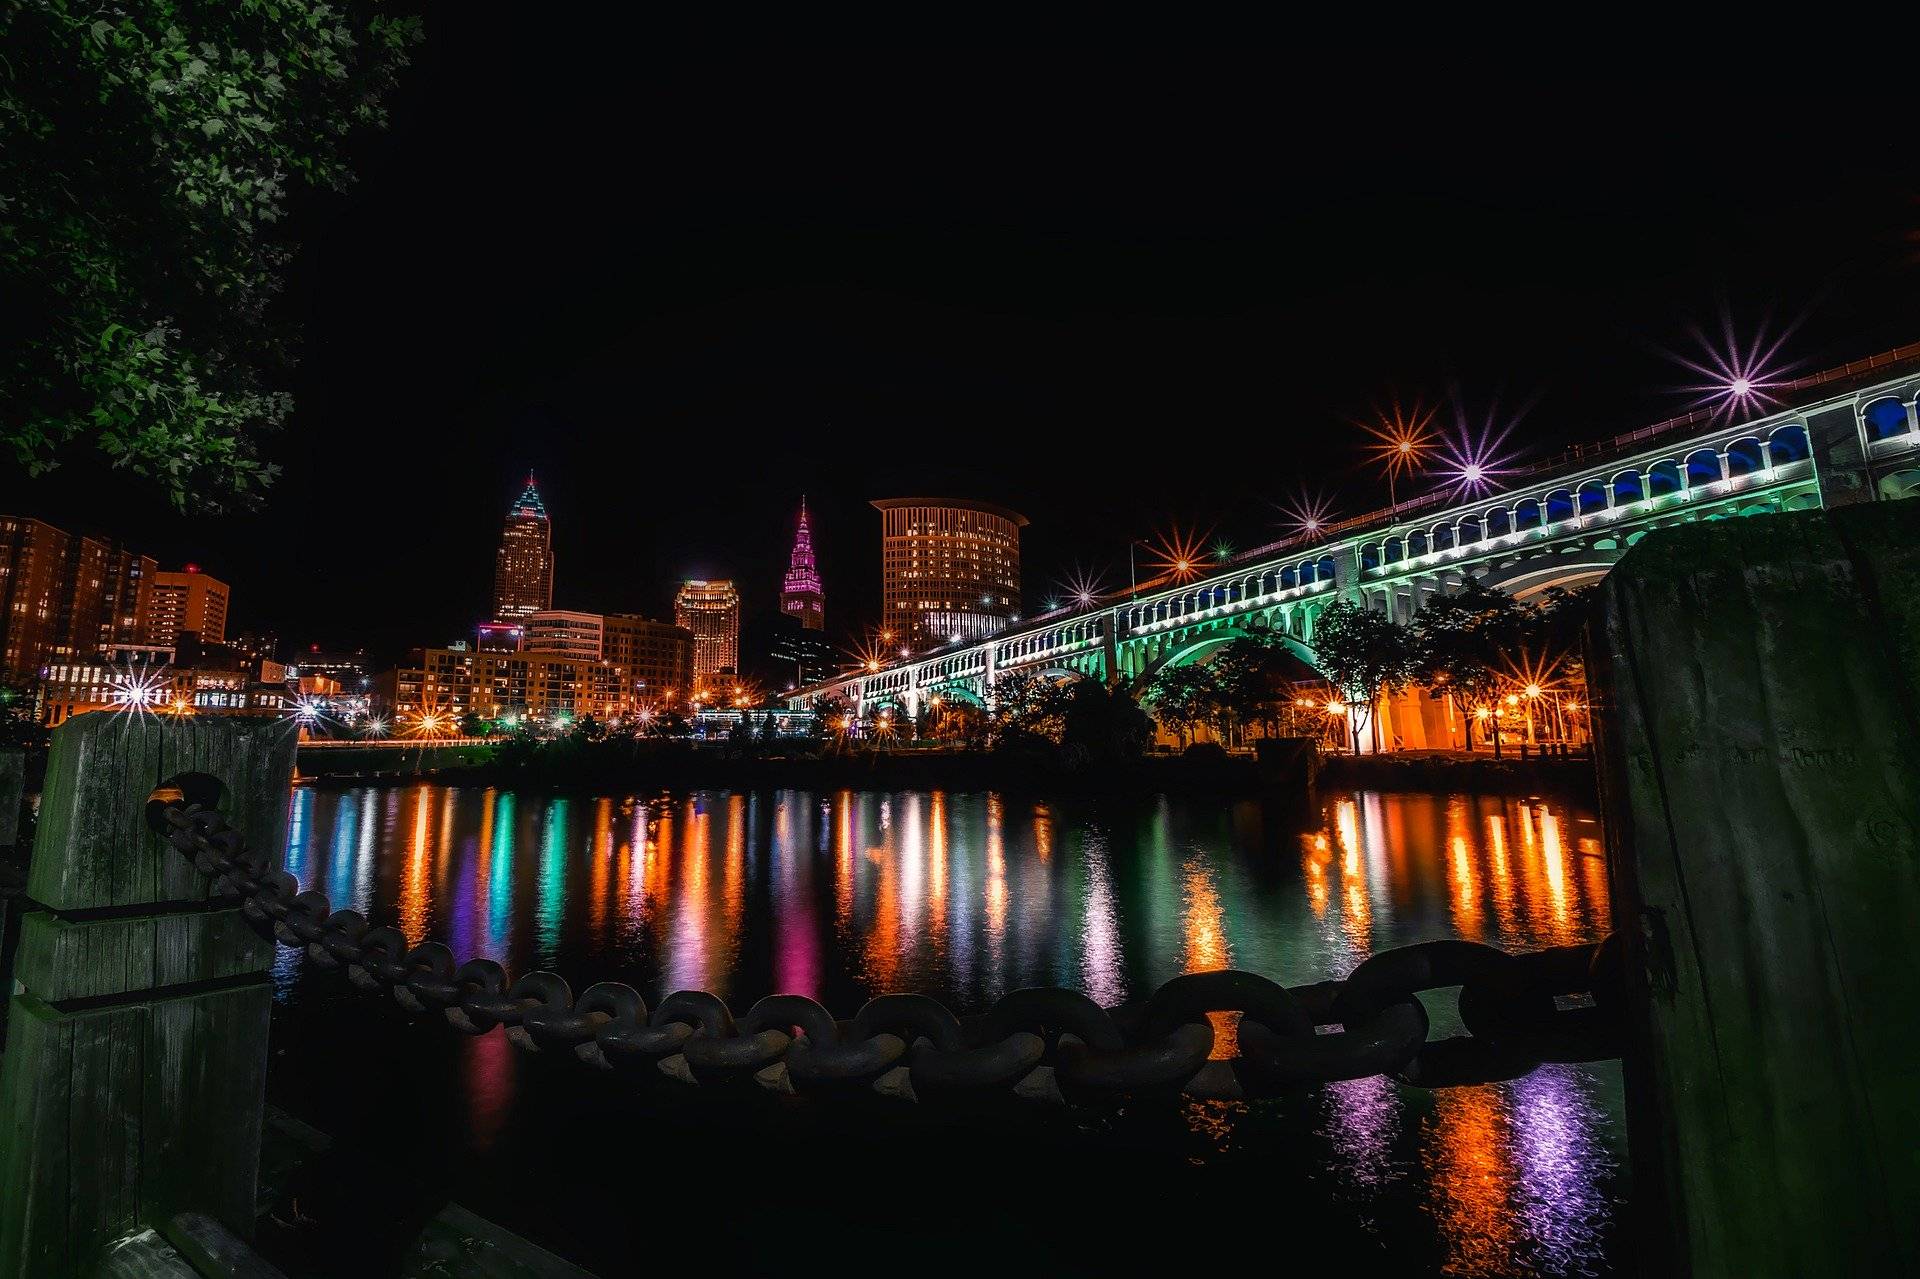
(1178, 553)
(1306, 513)
(1737, 373)
(1471, 459)
(1403, 437)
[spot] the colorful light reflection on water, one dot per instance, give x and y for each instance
(844, 895)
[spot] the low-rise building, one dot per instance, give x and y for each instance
(436, 687)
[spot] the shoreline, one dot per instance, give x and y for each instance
(1236, 776)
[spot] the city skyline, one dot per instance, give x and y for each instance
(930, 330)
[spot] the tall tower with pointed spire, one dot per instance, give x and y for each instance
(801, 595)
(523, 569)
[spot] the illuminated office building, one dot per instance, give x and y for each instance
(523, 567)
(949, 568)
(711, 610)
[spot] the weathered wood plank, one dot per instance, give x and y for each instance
(13, 793)
(94, 848)
(205, 1093)
(63, 959)
(1763, 797)
(104, 1131)
(34, 1153)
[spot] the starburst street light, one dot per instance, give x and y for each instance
(1471, 458)
(138, 688)
(308, 712)
(1307, 513)
(1736, 376)
(1084, 586)
(1403, 438)
(1178, 553)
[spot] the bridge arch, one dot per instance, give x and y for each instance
(1703, 468)
(1532, 576)
(1886, 418)
(1900, 484)
(1789, 444)
(1745, 456)
(1665, 478)
(1184, 650)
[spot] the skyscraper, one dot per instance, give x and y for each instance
(711, 610)
(523, 569)
(186, 601)
(949, 568)
(801, 595)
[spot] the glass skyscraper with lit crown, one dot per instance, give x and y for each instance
(523, 568)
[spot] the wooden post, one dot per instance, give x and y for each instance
(134, 1076)
(13, 781)
(1761, 778)
(13, 785)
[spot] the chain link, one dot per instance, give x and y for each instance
(1553, 1005)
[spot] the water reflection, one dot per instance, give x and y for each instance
(843, 895)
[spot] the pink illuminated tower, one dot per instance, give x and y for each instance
(801, 595)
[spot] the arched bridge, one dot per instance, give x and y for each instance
(1852, 434)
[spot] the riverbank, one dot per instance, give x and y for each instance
(679, 767)
(1287, 774)
(1453, 771)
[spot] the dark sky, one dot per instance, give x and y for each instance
(687, 285)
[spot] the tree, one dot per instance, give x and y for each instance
(148, 153)
(1026, 707)
(1250, 680)
(1364, 656)
(1185, 697)
(1463, 642)
(1105, 724)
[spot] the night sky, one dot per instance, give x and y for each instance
(686, 286)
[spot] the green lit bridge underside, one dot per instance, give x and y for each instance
(1562, 524)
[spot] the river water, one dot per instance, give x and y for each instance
(965, 896)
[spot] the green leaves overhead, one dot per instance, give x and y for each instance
(148, 153)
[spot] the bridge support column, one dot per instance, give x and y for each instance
(135, 1072)
(1762, 791)
(1839, 457)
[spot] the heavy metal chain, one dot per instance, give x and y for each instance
(1554, 1005)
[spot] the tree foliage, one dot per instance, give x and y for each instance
(1463, 641)
(1102, 723)
(1026, 707)
(1364, 656)
(1185, 697)
(149, 150)
(1252, 679)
